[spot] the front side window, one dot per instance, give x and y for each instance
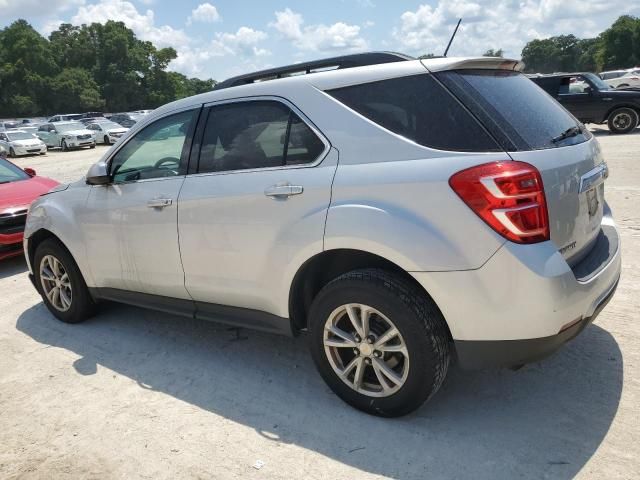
(156, 151)
(256, 134)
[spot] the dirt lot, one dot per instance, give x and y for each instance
(139, 394)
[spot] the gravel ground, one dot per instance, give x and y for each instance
(140, 394)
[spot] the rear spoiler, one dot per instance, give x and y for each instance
(478, 63)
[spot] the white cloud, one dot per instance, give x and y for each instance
(245, 41)
(142, 24)
(324, 38)
(500, 23)
(204, 13)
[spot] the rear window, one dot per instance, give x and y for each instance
(517, 112)
(420, 109)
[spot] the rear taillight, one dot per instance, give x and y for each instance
(508, 196)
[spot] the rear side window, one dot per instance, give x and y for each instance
(517, 112)
(256, 134)
(420, 109)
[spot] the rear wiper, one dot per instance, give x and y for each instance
(569, 132)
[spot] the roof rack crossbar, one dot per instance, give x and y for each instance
(346, 61)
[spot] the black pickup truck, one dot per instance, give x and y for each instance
(591, 100)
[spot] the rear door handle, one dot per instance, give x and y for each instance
(159, 202)
(283, 191)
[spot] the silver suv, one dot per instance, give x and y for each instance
(402, 212)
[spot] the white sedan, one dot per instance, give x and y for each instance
(20, 142)
(107, 132)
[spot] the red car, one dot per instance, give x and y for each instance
(18, 188)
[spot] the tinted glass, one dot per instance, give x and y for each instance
(154, 152)
(418, 108)
(260, 134)
(513, 108)
(10, 173)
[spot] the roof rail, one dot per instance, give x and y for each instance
(346, 61)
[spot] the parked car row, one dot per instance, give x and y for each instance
(629, 78)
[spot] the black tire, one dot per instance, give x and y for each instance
(622, 120)
(64, 146)
(92, 146)
(106, 140)
(12, 152)
(413, 313)
(82, 305)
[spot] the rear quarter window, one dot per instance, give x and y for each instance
(420, 109)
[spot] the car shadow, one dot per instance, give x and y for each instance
(545, 420)
(12, 266)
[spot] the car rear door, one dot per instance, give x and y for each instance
(130, 225)
(255, 206)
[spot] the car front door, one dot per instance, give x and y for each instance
(256, 205)
(130, 224)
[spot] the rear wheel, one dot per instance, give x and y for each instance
(379, 342)
(622, 120)
(61, 284)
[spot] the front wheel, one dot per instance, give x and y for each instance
(622, 120)
(60, 283)
(379, 342)
(64, 146)
(12, 152)
(106, 140)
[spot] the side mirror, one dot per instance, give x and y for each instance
(30, 171)
(98, 174)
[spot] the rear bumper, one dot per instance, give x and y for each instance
(526, 301)
(514, 353)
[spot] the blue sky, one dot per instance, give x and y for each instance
(221, 38)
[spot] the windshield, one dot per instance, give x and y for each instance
(20, 136)
(65, 127)
(514, 109)
(596, 81)
(106, 125)
(10, 173)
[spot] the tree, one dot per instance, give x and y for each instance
(427, 55)
(621, 44)
(25, 63)
(74, 89)
(493, 53)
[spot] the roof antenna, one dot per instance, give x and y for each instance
(451, 39)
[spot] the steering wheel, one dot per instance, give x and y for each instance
(167, 162)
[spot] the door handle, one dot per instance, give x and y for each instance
(283, 191)
(159, 202)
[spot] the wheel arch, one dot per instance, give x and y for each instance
(325, 266)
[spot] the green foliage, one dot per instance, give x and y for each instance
(493, 53)
(86, 68)
(427, 55)
(615, 48)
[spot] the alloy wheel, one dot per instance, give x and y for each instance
(56, 283)
(366, 350)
